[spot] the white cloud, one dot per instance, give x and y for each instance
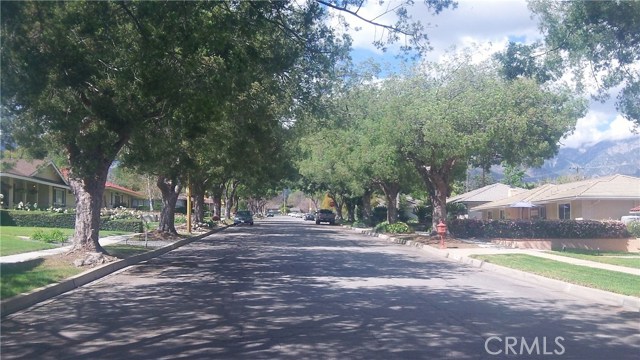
(473, 22)
(486, 26)
(598, 126)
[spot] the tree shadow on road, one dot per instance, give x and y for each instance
(322, 293)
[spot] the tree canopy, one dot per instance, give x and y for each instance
(601, 40)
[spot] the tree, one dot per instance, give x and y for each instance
(602, 37)
(453, 114)
(91, 77)
(82, 77)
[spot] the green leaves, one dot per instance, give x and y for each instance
(601, 41)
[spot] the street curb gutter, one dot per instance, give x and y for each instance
(628, 302)
(23, 301)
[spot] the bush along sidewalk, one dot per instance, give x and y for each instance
(538, 229)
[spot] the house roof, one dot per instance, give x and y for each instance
(488, 193)
(22, 167)
(610, 187)
(32, 170)
(116, 187)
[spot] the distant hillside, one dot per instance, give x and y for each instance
(601, 159)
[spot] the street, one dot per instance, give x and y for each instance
(289, 289)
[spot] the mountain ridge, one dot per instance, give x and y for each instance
(600, 159)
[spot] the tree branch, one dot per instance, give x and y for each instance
(369, 21)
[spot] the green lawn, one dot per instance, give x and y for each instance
(613, 281)
(16, 240)
(26, 276)
(620, 259)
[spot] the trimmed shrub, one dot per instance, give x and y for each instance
(397, 228)
(634, 228)
(37, 219)
(63, 221)
(359, 224)
(128, 225)
(53, 236)
(379, 214)
(539, 229)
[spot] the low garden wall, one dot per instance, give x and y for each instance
(622, 245)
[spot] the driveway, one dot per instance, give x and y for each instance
(289, 289)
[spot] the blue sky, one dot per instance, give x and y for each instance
(490, 25)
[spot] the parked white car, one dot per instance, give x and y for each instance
(629, 218)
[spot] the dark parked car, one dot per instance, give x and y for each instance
(243, 217)
(325, 215)
(309, 216)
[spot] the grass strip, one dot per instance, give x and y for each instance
(616, 259)
(613, 281)
(25, 276)
(18, 278)
(17, 240)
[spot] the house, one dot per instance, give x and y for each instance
(484, 195)
(605, 198)
(40, 184)
(33, 182)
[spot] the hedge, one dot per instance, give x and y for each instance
(37, 219)
(538, 229)
(66, 221)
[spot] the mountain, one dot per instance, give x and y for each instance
(601, 159)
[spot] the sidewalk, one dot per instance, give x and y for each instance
(462, 255)
(42, 253)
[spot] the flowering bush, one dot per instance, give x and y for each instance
(397, 228)
(634, 228)
(120, 213)
(26, 207)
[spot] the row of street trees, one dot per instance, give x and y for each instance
(211, 95)
(194, 93)
(191, 92)
(428, 124)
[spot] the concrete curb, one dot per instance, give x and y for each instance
(628, 302)
(23, 301)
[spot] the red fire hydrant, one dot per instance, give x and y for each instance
(441, 229)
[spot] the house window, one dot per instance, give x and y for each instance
(542, 212)
(490, 215)
(564, 211)
(59, 197)
(502, 217)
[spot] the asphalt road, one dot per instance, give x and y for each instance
(289, 289)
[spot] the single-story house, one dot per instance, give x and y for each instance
(39, 183)
(604, 198)
(484, 195)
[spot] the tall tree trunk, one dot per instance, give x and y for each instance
(88, 192)
(216, 194)
(338, 202)
(170, 189)
(436, 180)
(197, 192)
(149, 192)
(229, 196)
(350, 204)
(366, 206)
(391, 191)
